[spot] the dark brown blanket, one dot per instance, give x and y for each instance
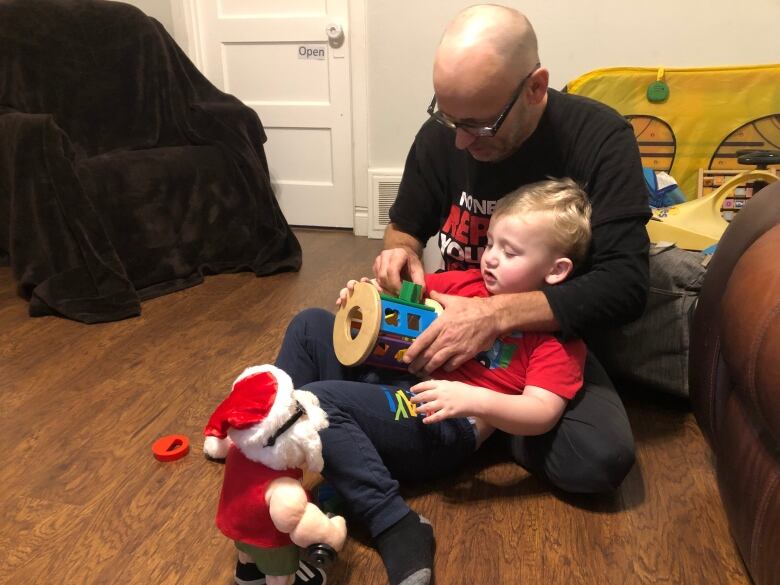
(124, 174)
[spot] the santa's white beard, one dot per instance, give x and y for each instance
(298, 446)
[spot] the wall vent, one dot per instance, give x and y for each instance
(384, 188)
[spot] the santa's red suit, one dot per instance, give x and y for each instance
(261, 397)
(243, 513)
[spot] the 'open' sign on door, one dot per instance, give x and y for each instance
(311, 52)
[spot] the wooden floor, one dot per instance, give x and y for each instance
(84, 501)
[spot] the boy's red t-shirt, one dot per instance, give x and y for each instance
(516, 360)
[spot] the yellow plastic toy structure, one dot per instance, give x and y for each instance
(698, 224)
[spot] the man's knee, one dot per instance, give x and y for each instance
(592, 450)
(576, 464)
(596, 467)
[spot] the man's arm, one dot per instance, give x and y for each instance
(529, 311)
(416, 213)
(395, 238)
(468, 326)
(400, 260)
(612, 292)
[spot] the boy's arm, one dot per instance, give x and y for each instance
(534, 412)
(553, 374)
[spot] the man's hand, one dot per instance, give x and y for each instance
(466, 327)
(397, 264)
(442, 399)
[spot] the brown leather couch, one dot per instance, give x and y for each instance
(735, 378)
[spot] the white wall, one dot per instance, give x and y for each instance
(575, 36)
(159, 9)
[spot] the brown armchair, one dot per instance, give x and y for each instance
(124, 173)
(735, 378)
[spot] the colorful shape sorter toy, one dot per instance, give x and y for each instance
(376, 329)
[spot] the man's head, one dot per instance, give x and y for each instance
(487, 64)
(536, 235)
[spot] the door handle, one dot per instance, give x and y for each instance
(335, 35)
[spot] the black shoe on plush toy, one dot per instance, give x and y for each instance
(249, 574)
(268, 434)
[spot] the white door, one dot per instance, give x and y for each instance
(288, 61)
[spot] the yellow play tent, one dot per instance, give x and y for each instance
(689, 122)
(708, 114)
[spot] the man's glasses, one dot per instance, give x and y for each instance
(475, 128)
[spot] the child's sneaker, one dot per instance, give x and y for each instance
(307, 574)
(248, 574)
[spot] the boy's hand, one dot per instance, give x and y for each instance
(442, 399)
(347, 290)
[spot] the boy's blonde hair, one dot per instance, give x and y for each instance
(568, 205)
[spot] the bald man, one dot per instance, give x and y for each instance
(494, 126)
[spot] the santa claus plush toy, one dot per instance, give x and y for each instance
(268, 433)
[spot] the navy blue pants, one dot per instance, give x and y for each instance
(374, 437)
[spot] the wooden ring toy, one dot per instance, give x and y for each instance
(364, 304)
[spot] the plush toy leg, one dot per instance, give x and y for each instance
(280, 579)
(244, 558)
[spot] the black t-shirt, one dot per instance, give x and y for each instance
(445, 190)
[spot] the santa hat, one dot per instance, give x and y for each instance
(260, 402)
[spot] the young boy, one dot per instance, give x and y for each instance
(521, 385)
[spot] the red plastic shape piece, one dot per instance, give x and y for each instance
(171, 447)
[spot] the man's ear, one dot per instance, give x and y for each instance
(538, 84)
(559, 271)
